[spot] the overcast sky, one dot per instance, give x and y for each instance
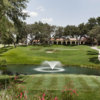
(62, 12)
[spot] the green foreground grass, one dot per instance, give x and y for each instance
(88, 87)
(68, 55)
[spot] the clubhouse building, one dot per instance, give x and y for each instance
(64, 41)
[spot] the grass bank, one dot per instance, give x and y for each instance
(68, 55)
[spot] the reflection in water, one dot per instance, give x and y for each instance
(48, 69)
(28, 69)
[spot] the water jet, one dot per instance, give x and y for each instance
(50, 66)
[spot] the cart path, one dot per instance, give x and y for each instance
(96, 48)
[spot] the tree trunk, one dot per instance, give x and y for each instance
(14, 44)
(92, 41)
(4, 45)
(79, 40)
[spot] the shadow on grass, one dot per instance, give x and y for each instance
(4, 82)
(4, 49)
(8, 81)
(93, 59)
(22, 46)
(92, 53)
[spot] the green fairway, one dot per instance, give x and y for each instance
(68, 55)
(57, 82)
(88, 87)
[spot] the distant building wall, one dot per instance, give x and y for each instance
(61, 41)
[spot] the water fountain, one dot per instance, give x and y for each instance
(50, 66)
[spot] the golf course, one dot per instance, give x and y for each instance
(87, 86)
(82, 56)
(49, 49)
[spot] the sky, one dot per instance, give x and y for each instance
(62, 12)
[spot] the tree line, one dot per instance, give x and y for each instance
(44, 32)
(14, 30)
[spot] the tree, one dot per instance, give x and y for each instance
(71, 31)
(91, 23)
(41, 31)
(12, 11)
(98, 20)
(95, 35)
(83, 30)
(59, 32)
(5, 35)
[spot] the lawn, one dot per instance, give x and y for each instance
(87, 87)
(99, 47)
(68, 55)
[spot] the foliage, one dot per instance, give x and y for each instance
(91, 23)
(11, 14)
(40, 31)
(59, 32)
(95, 34)
(71, 30)
(14, 30)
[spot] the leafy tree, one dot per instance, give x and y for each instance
(59, 32)
(95, 35)
(71, 31)
(91, 23)
(41, 31)
(83, 31)
(5, 35)
(98, 20)
(13, 9)
(12, 12)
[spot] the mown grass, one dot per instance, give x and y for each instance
(68, 55)
(88, 87)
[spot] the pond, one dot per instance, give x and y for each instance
(31, 69)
